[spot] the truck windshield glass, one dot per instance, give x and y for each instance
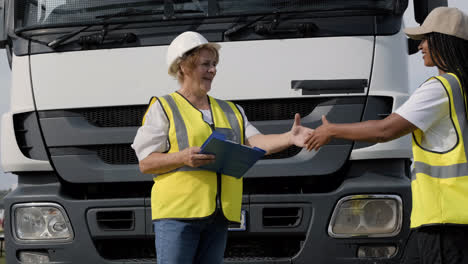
(45, 13)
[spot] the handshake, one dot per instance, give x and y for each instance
(309, 138)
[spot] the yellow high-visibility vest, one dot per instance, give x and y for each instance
(191, 193)
(440, 180)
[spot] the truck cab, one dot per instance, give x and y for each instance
(83, 72)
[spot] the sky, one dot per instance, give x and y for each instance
(417, 72)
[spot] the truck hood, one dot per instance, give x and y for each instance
(87, 148)
(247, 70)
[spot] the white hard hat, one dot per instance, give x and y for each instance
(183, 43)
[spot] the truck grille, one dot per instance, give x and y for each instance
(124, 154)
(117, 154)
(28, 136)
(120, 116)
(282, 216)
(262, 248)
(140, 250)
(115, 220)
(237, 249)
(257, 110)
(277, 109)
(106, 133)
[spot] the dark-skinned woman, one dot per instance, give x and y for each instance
(436, 115)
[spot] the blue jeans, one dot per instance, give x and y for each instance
(191, 241)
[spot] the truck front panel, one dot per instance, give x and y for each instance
(83, 73)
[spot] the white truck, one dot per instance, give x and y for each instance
(84, 70)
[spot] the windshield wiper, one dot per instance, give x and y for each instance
(127, 13)
(271, 28)
(97, 38)
(102, 38)
(261, 29)
(130, 12)
(241, 27)
(56, 42)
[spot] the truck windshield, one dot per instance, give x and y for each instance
(48, 13)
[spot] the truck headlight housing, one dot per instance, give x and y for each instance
(367, 215)
(41, 221)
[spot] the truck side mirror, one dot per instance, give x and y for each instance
(413, 46)
(423, 7)
(3, 35)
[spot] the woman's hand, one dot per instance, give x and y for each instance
(298, 133)
(389, 128)
(193, 158)
(320, 136)
(273, 143)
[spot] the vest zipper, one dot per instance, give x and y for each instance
(218, 181)
(219, 207)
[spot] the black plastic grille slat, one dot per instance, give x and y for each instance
(256, 110)
(153, 261)
(262, 248)
(247, 248)
(124, 154)
(28, 136)
(277, 109)
(131, 116)
(20, 133)
(258, 259)
(142, 260)
(282, 217)
(126, 249)
(115, 220)
(117, 154)
(289, 152)
(121, 116)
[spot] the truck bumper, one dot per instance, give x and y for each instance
(279, 228)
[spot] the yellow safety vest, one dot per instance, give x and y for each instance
(440, 181)
(190, 193)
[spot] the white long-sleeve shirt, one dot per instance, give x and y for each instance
(153, 135)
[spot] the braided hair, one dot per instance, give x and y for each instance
(450, 54)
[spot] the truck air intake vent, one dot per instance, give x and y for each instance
(121, 116)
(28, 136)
(289, 152)
(117, 154)
(127, 250)
(124, 154)
(273, 248)
(256, 110)
(284, 109)
(115, 220)
(268, 249)
(282, 217)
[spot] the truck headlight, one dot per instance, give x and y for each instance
(41, 221)
(367, 215)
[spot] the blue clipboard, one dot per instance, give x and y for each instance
(232, 158)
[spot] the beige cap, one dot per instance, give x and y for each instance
(445, 20)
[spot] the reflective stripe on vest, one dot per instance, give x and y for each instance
(440, 180)
(188, 193)
(181, 130)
